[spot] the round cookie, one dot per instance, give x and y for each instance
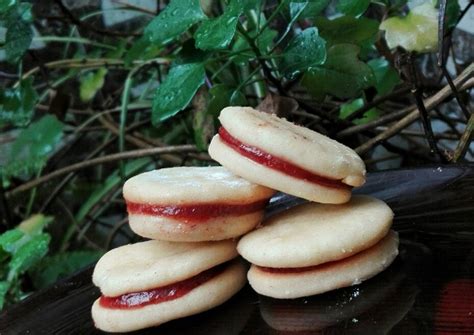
(149, 264)
(184, 278)
(208, 295)
(312, 234)
(193, 204)
(278, 154)
(280, 284)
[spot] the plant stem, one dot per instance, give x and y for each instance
(272, 16)
(102, 160)
(465, 141)
(79, 40)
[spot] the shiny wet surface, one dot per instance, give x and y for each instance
(428, 290)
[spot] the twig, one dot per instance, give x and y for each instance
(465, 141)
(377, 101)
(444, 43)
(87, 63)
(440, 136)
(114, 232)
(378, 122)
(463, 79)
(265, 68)
(101, 160)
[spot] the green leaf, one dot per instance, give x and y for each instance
(141, 48)
(91, 83)
(58, 266)
(349, 108)
(386, 77)
(353, 7)
(14, 238)
(6, 5)
(310, 8)
(19, 33)
(4, 286)
(35, 224)
(220, 95)
(175, 19)
(28, 255)
(453, 10)
(305, 51)
(17, 104)
(218, 33)
(9, 239)
(343, 75)
(177, 90)
(347, 29)
(32, 147)
(418, 31)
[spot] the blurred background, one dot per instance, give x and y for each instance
(93, 92)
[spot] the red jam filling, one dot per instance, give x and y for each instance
(196, 212)
(299, 270)
(160, 294)
(276, 163)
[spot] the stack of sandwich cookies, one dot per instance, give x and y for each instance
(193, 204)
(276, 153)
(314, 248)
(192, 213)
(149, 283)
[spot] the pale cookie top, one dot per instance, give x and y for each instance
(298, 145)
(146, 265)
(313, 233)
(181, 185)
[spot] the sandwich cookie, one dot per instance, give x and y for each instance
(193, 204)
(276, 153)
(314, 248)
(149, 283)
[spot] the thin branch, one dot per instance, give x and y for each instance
(465, 141)
(114, 232)
(377, 101)
(465, 79)
(102, 160)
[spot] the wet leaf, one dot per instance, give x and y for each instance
(309, 8)
(343, 75)
(305, 51)
(32, 147)
(418, 31)
(217, 33)
(19, 33)
(176, 18)
(17, 104)
(177, 90)
(353, 7)
(28, 255)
